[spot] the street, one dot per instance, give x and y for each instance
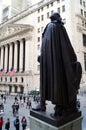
(8, 113)
(25, 112)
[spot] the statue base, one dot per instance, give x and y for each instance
(44, 121)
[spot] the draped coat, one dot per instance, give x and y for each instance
(57, 74)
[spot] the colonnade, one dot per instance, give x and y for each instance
(12, 56)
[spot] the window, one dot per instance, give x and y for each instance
(85, 13)
(38, 46)
(84, 39)
(47, 14)
(85, 60)
(38, 19)
(6, 79)
(42, 17)
(1, 79)
(38, 30)
(81, 11)
(38, 39)
(52, 12)
(10, 79)
(47, 6)
(42, 9)
(63, 8)
(82, 23)
(84, 3)
(22, 80)
(51, 4)
(16, 80)
(81, 2)
(58, 10)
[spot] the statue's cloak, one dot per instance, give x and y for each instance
(57, 73)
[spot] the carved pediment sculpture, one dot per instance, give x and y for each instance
(12, 29)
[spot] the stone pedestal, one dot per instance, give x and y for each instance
(37, 123)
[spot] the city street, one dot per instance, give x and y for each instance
(8, 113)
(25, 112)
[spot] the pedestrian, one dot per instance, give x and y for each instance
(29, 104)
(1, 122)
(17, 107)
(24, 123)
(2, 96)
(17, 123)
(24, 98)
(4, 99)
(14, 109)
(7, 125)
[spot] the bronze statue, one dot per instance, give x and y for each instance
(60, 73)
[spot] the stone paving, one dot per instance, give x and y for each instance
(25, 112)
(8, 113)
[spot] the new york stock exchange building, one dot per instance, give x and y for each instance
(15, 53)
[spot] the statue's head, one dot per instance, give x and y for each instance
(55, 16)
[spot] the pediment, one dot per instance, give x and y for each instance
(12, 29)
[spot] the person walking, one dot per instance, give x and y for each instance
(17, 123)
(7, 125)
(24, 123)
(1, 122)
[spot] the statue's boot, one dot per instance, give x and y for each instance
(58, 110)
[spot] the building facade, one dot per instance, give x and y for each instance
(13, 7)
(20, 42)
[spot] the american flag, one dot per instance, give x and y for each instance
(1, 72)
(11, 72)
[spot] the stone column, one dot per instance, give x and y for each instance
(10, 57)
(1, 57)
(18, 89)
(27, 57)
(8, 52)
(21, 57)
(6, 57)
(15, 56)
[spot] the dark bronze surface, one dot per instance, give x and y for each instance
(60, 72)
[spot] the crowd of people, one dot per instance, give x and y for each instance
(23, 122)
(19, 101)
(16, 123)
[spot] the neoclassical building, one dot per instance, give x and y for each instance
(16, 45)
(20, 41)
